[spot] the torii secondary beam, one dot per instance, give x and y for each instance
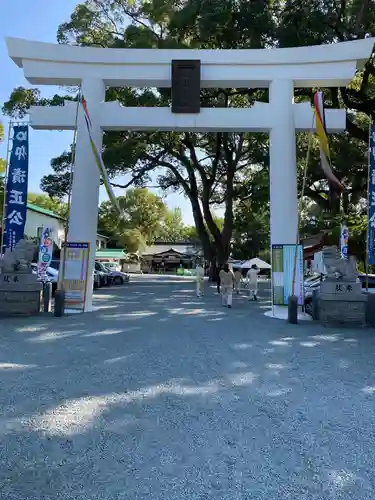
(113, 116)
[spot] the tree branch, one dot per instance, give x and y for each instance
(214, 230)
(353, 129)
(189, 144)
(134, 17)
(362, 103)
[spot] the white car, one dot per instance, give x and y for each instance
(51, 274)
(112, 266)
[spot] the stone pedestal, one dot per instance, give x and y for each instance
(342, 303)
(20, 294)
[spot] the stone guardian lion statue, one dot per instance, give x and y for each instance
(338, 268)
(18, 260)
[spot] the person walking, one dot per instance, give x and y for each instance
(237, 280)
(227, 283)
(199, 277)
(252, 278)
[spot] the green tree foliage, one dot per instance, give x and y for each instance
(45, 201)
(220, 169)
(251, 231)
(144, 213)
(172, 228)
(22, 99)
(191, 235)
(147, 219)
(132, 240)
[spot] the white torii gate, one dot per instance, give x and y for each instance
(279, 69)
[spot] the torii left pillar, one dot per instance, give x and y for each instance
(283, 164)
(83, 219)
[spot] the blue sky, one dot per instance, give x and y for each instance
(38, 20)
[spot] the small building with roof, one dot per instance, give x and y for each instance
(39, 217)
(169, 256)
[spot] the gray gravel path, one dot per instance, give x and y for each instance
(162, 396)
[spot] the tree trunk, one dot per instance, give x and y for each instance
(212, 272)
(201, 229)
(222, 253)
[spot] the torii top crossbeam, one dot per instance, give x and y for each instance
(323, 65)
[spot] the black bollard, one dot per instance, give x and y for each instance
(47, 296)
(292, 309)
(315, 305)
(59, 303)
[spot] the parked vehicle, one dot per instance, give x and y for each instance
(96, 280)
(55, 264)
(105, 275)
(118, 277)
(52, 276)
(310, 284)
(112, 266)
(363, 279)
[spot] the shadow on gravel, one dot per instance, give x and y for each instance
(161, 395)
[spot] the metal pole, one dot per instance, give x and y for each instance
(368, 203)
(5, 187)
(301, 203)
(293, 299)
(66, 229)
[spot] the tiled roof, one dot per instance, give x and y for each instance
(184, 249)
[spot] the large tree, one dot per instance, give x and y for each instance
(142, 221)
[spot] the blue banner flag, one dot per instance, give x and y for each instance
(16, 188)
(344, 240)
(371, 199)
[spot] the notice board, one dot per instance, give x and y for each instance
(283, 258)
(75, 274)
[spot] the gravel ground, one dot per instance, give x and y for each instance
(162, 396)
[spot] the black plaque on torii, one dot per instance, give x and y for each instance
(186, 86)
